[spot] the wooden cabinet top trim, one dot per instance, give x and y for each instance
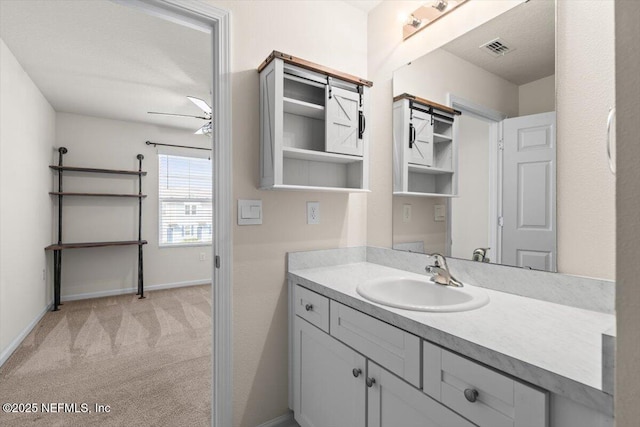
(427, 102)
(290, 59)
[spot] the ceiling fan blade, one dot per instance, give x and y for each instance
(179, 115)
(204, 130)
(201, 104)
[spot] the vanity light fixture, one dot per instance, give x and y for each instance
(414, 22)
(440, 5)
(427, 14)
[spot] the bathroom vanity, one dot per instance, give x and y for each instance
(516, 361)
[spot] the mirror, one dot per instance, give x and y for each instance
(501, 189)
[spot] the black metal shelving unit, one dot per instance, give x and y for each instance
(57, 248)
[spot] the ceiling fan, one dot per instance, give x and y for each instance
(207, 127)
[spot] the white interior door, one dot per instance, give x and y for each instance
(342, 122)
(529, 192)
(421, 150)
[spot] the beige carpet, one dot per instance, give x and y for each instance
(149, 360)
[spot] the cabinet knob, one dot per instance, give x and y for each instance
(471, 394)
(370, 382)
(308, 307)
(356, 372)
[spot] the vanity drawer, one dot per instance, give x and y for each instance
(312, 307)
(392, 348)
(500, 401)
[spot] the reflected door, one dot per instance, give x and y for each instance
(529, 192)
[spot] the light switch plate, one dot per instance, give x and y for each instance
(249, 212)
(439, 213)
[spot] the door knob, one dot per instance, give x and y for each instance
(356, 372)
(471, 394)
(308, 307)
(370, 382)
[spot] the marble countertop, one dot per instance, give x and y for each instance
(553, 346)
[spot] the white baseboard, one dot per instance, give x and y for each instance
(7, 352)
(113, 292)
(285, 420)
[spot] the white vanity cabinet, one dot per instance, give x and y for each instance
(424, 148)
(351, 369)
(336, 383)
(313, 127)
(392, 402)
(329, 388)
(480, 394)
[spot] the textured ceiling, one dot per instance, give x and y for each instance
(529, 27)
(102, 59)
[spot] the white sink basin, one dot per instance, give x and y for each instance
(422, 295)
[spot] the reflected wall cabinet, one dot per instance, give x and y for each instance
(313, 127)
(425, 152)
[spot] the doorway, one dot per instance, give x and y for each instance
(513, 165)
(215, 23)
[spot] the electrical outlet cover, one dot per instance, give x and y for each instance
(313, 212)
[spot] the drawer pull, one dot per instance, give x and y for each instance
(370, 382)
(356, 372)
(308, 307)
(471, 394)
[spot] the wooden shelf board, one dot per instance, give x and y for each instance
(57, 193)
(411, 193)
(313, 188)
(61, 246)
(313, 67)
(428, 170)
(424, 101)
(318, 156)
(302, 108)
(96, 170)
(441, 138)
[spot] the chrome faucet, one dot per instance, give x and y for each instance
(440, 272)
(480, 255)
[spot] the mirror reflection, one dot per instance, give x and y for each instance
(498, 203)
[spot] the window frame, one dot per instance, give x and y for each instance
(190, 202)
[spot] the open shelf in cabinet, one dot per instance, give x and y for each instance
(304, 144)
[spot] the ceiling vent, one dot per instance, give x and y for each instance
(497, 47)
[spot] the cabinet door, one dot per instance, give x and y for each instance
(326, 392)
(393, 402)
(342, 122)
(421, 149)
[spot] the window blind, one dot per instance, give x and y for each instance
(184, 196)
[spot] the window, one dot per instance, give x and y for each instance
(184, 193)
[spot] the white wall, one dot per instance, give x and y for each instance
(114, 144)
(538, 96)
(439, 73)
(27, 127)
(585, 72)
(627, 392)
(470, 211)
(332, 34)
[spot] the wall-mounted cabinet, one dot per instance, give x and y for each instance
(313, 127)
(424, 148)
